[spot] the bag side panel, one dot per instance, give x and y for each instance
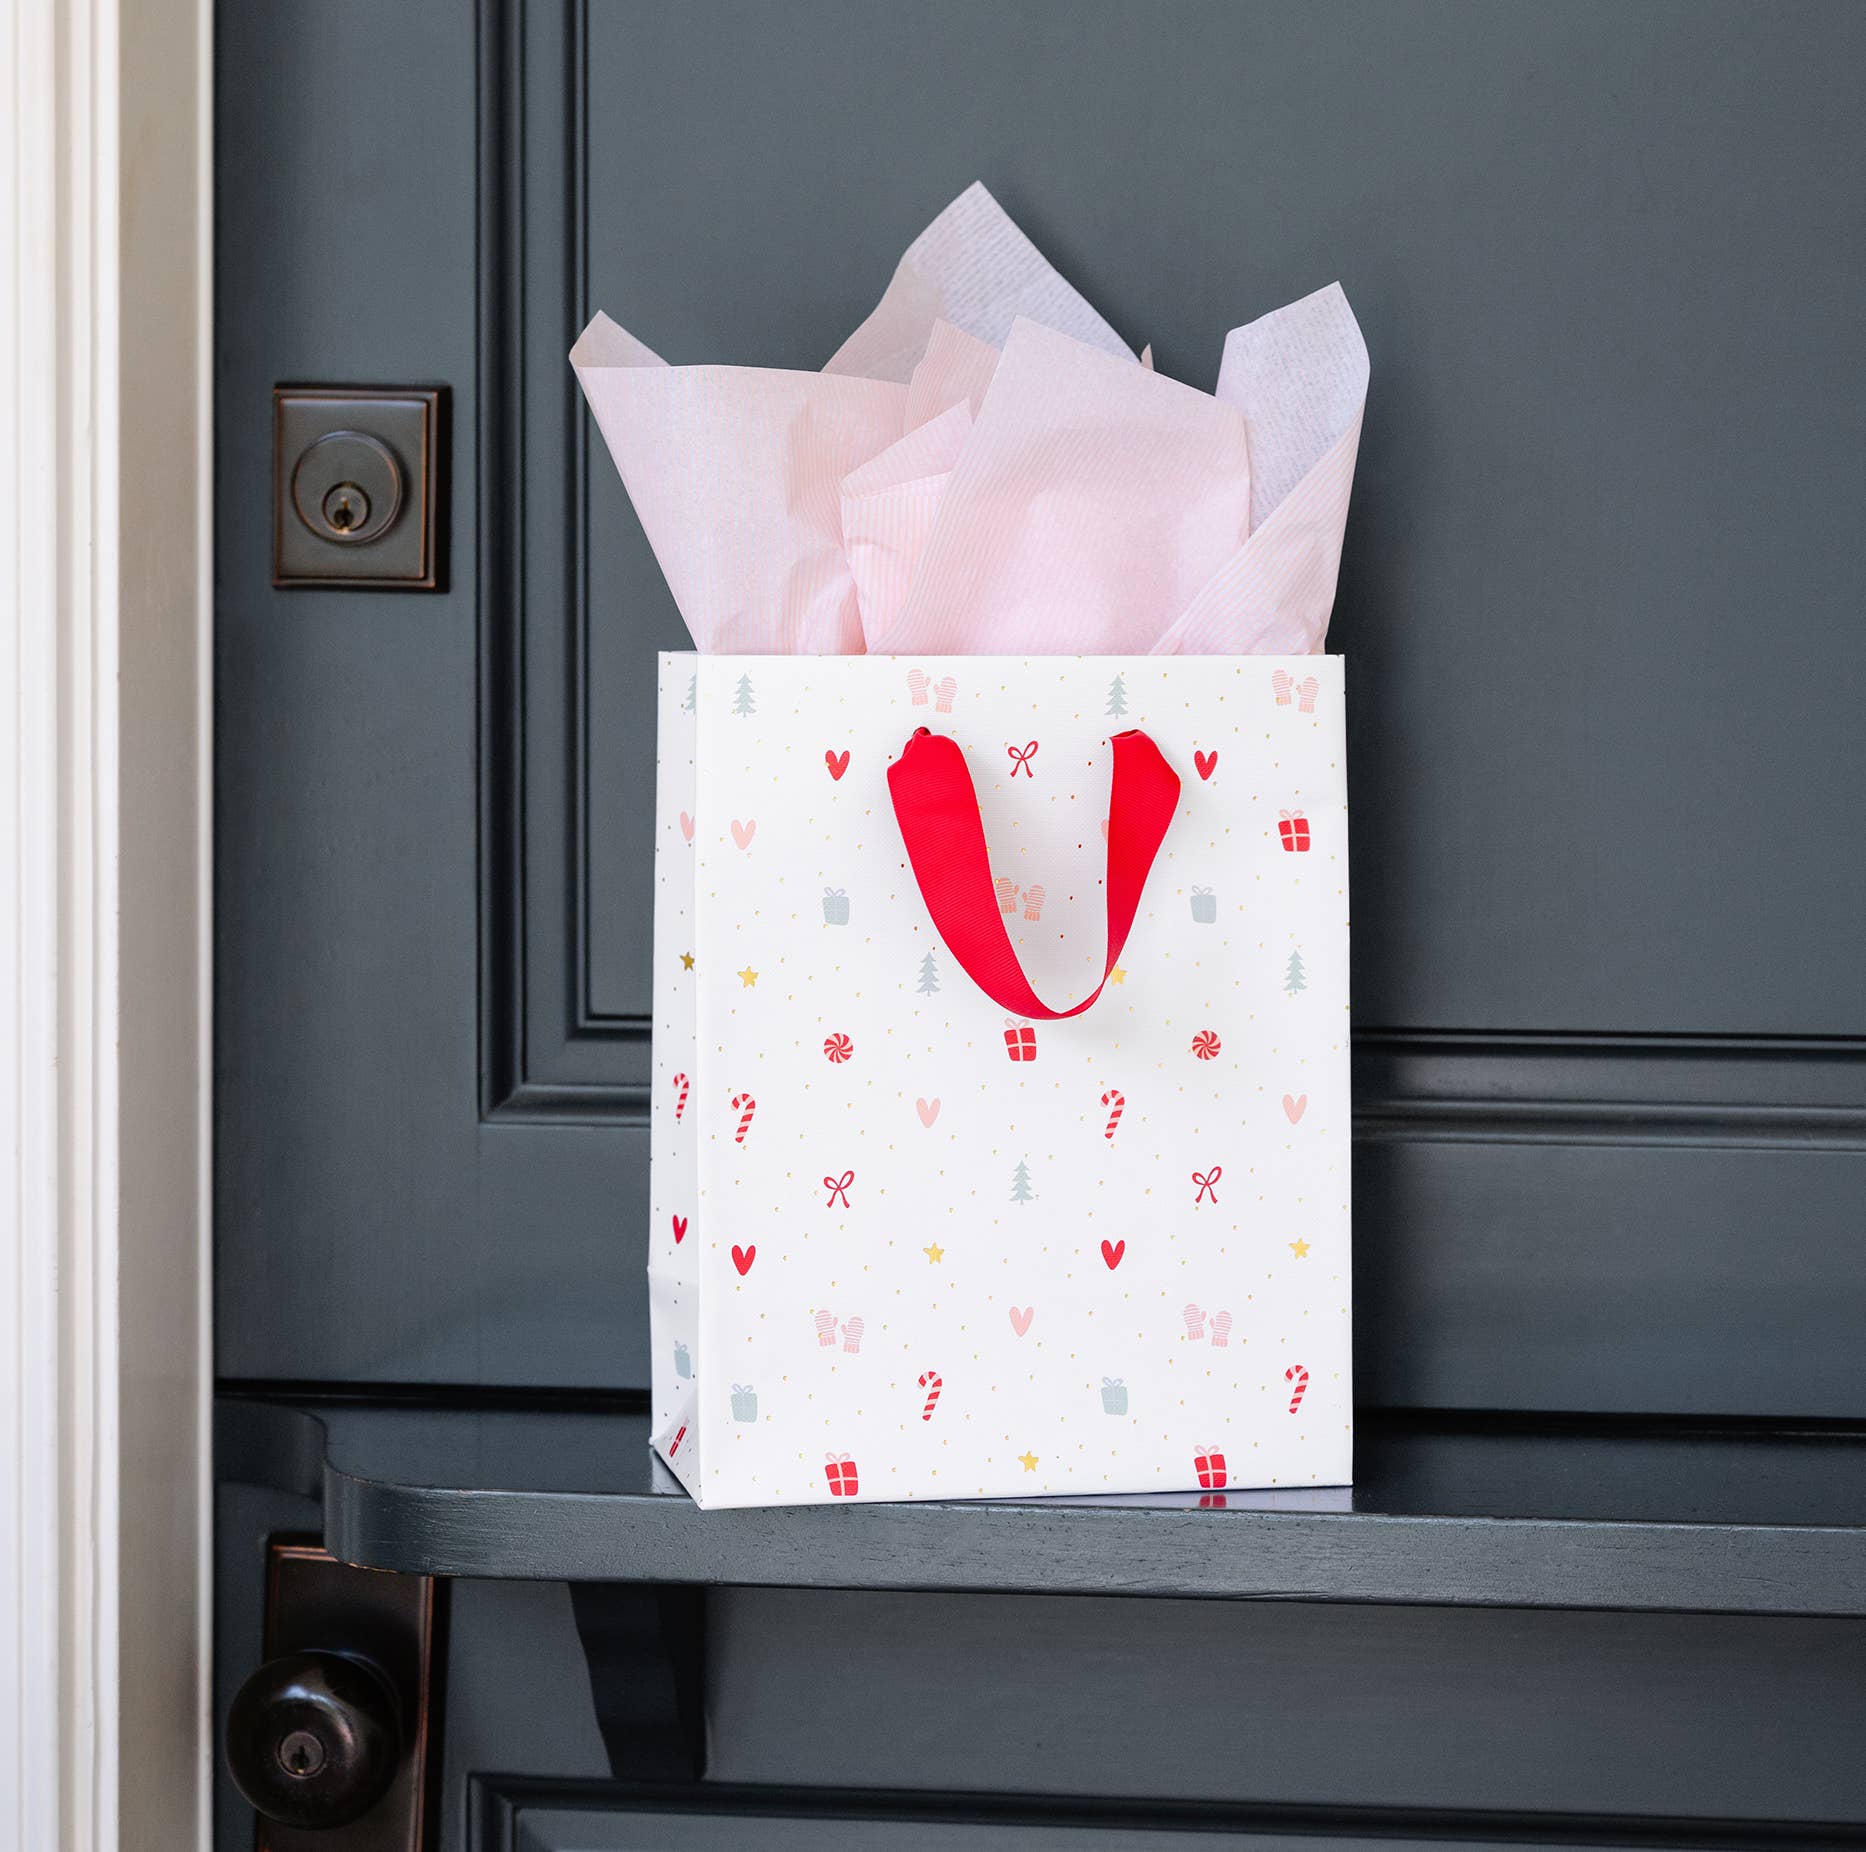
(674, 1235)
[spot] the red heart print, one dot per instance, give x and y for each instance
(1207, 762)
(680, 1229)
(742, 1258)
(838, 763)
(1111, 1252)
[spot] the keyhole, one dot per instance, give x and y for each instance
(346, 508)
(301, 1754)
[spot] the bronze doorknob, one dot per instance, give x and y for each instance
(314, 1739)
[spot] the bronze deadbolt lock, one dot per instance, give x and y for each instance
(356, 498)
(347, 488)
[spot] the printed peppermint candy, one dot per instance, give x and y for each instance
(838, 1048)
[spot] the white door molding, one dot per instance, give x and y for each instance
(105, 576)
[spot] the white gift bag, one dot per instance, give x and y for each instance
(926, 1224)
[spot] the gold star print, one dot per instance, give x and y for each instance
(686, 961)
(1030, 1462)
(1117, 976)
(935, 1253)
(1299, 1247)
(748, 977)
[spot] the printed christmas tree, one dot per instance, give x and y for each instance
(742, 701)
(693, 692)
(1295, 978)
(1021, 1192)
(1117, 696)
(929, 976)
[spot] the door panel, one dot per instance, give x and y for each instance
(1606, 453)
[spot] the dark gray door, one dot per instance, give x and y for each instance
(1600, 599)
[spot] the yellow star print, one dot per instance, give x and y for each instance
(935, 1253)
(686, 961)
(1117, 976)
(1299, 1247)
(748, 977)
(1030, 1462)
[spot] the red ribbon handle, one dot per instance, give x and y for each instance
(937, 809)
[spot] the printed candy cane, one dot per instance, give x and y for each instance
(1300, 1377)
(744, 1105)
(1118, 1100)
(931, 1383)
(680, 1096)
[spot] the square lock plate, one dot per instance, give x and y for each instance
(355, 495)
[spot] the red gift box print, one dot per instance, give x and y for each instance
(841, 1475)
(1020, 1042)
(1294, 829)
(1210, 1467)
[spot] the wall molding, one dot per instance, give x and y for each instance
(105, 569)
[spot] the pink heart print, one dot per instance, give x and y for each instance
(742, 833)
(928, 1110)
(1020, 1321)
(686, 826)
(1295, 1105)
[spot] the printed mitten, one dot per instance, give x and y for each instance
(851, 1334)
(1033, 903)
(826, 1329)
(1195, 1324)
(1221, 1329)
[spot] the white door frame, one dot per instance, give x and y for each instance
(105, 976)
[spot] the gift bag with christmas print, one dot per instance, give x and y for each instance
(1001, 1108)
(1014, 1172)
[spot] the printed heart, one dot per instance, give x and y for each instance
(928, 1110)
(1207, 762)
(1104, 829)
(838, 763)
(1111, 1252)
(742, 1258)
(680, 1229)
(1295, 1105)
(686, 826)
(1020, 1321)
(742, 833)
